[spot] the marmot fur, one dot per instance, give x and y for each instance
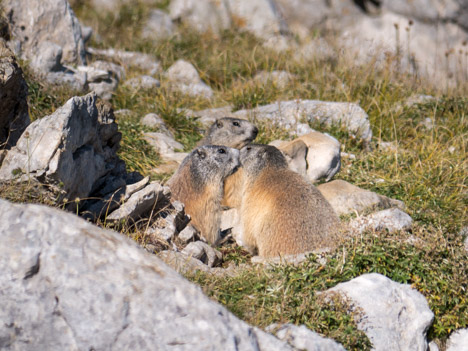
(281, 212)
(235, 133)
(199, 182)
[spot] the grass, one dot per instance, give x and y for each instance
(427, 170)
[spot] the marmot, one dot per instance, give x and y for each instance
(281, 212)
(235, 133)
(199, 182)
(231, 132)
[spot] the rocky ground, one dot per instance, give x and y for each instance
(101, 101)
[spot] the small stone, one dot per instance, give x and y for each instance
(189, 233)
(458, 340)
(143, 82)
(158, 26)
(153, 120)
(203, 252)
(392, 219)
(162, 143)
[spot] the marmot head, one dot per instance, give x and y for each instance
(211, 162)
(232, 132)
(255, 157)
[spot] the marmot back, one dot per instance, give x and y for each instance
(199, 182)
(281, 212)
(231, 132)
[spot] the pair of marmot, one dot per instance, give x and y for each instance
(281, 212)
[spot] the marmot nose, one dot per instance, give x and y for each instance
(255, 131)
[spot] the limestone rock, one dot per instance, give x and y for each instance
(151, 198)
(394, 316)
(295, 152)
(162, 143)
(66, 148)
(392, 219)
(288, 113)
(202, 15)
(153, 120)
(92, 288)
(279, 78)
(189, 233)
(230, 221)
(158, 26)
(184, 78)
(303, 338)
(209, 116)
(182, 263)
(128, 59)
(458, 340)
(14, 117)
(36, 21)
(143, 82)
(260, 17)
(346, 198)
(203, 252)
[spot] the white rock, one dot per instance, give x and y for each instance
(303, 338)
(158, 26)
(48, 58)
(184, 78)
(458, 340)
(203, 252)
(346, 198)
(143, 82)
(96, 289)
(279, 78)
(67, 148)
(392, 219)
(162, 143)
(153, 120)
(187, 234)
(230, 220)
(260, 17)
(288, 113)
(153, 198)
(202, 15)
(36, 21)
(129, 59)
(394, 316)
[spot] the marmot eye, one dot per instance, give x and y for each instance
(221, 151)
(249, 148)
(236, 124)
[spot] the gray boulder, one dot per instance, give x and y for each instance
(158, 26)
(14, 117)
(36, 21)
(346, 198)
(138, 60)
(153, 120)
(392, 219)
(394, 316)
(260, 17)
(143, 82)
(202, 15)
(458, 340)
(74, 148)
(288, 114)
(303, 338)
(69, 285)
(203, 252)
(184, 77)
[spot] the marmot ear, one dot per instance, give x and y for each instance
(201, 154)
(219, 124)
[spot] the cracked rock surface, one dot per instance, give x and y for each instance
(69, 285)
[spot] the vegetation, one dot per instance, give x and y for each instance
(427, 170)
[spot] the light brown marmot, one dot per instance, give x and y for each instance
(231, 132)
(281, 212)
(199, 182)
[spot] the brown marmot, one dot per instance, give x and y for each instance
(281, 212)
(199, 182)
(231, 132)
(235, 133)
